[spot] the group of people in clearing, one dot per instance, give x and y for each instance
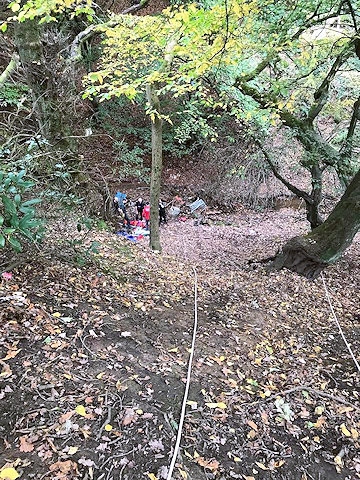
(141, 213)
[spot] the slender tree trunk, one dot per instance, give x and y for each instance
(156, 168)
(312, 207)
(309, 254)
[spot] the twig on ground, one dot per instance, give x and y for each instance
(311, 390)
(108, 418)
(118, 455)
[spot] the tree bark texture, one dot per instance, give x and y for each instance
(28, 42)
(50, 87)
(309, 254)
(156, 168)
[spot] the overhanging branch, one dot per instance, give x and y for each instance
(297, 191)
(346, 151)
(322, 93)
(75, 49)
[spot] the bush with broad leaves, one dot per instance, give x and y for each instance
(17, 217)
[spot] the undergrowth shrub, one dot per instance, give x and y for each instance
(18, 218)
(11, 94)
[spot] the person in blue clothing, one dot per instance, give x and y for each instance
(120, 207)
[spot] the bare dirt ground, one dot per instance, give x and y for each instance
(94, 351)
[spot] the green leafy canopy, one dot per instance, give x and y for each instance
(173, 50)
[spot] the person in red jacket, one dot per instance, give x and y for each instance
(146, 215)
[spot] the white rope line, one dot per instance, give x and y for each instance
(187, 386)
(339, 326)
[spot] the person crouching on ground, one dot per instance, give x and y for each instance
(121, 210)
(146, 215)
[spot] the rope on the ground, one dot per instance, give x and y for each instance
(338, 324)
(187, 386)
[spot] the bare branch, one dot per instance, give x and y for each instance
(75, 50)
(290, 186)
(13, 64)
(315, 19)
(322, 93)
(346, 151)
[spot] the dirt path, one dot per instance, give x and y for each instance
(94, 359)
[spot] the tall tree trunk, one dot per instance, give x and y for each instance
(309, 254)
(49, 85)
(28, 42)
(156, 167)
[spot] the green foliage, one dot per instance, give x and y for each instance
(11, 94)
(90, 54)
(84, 251)
(17, 216)
(193, 124)
(171, 51)
(64, 199)
(47, 10)
(132, 162)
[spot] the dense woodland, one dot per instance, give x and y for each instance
(251, 106)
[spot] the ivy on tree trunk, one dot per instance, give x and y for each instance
(49, 85)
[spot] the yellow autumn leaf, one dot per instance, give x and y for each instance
(80, 409)
(15, 7)
(152, 476)
(344, 430)
(9, 474)
(108, 427)
(56, 314)
(72, 450)
(220, 405)
(183, 474)
(354, 433)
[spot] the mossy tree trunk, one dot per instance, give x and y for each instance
(49, 85)
(309, 254)
(156, 167)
